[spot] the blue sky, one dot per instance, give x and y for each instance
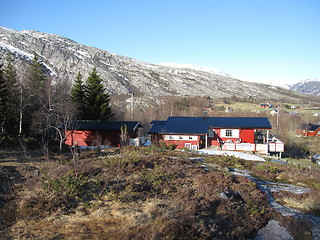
(269, 41)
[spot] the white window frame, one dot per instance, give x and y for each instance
(230, 133)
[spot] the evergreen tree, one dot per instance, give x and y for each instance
(10, 75)
(97, 100)
(78, 96)
(91, 99)
(4, 98)
(34, 97)
(35, 82)
(9, 94)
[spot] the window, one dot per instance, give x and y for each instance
(187, 145)
(228, 132)
(170, 137)
(190, 137)
(180, 137)
(211, 133)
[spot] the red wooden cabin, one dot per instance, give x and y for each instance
(100, 133)
(309, 130)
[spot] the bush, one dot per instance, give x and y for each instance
(7, 141)
(74, 185)
(295, 150)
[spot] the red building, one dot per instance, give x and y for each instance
(102, 133)
(228, 133)
(309, 130)
(265, 105)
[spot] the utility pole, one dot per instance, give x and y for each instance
(132, 114)
(278, 113)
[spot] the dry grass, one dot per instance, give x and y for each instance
(307, 202)
(136, 193)
(298, 228)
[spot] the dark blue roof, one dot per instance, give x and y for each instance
(310, 127)
(157, 122)
(103, 125)
(200, 125)
(314, 127)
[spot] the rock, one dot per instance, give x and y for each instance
(232, 195)
(223, 195)
(273, 231)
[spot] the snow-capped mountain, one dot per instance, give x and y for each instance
(309, 86)
(64, 58)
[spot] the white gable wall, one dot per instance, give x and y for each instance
(225, 133)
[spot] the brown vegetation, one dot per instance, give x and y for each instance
(143, 193)
(135, 194)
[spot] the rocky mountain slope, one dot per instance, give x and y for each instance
(64, 58)
(310, 86)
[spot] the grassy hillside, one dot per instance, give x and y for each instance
(141, 193)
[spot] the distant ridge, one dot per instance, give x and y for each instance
(309, 86)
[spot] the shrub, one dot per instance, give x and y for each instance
(269, 168)
(295, 150)
(163, 146)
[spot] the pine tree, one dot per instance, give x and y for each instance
(35, 82)
(90, 98)
(12, 112)
(34, 97)
(78, 96)
(97, 100)
(4, 98)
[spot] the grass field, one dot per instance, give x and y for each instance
(301, 109)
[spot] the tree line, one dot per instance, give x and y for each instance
(33, 109)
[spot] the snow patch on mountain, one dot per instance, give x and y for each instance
(17, 51)
(195, 67)
(311, 80)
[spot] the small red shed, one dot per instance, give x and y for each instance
(101, 133)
